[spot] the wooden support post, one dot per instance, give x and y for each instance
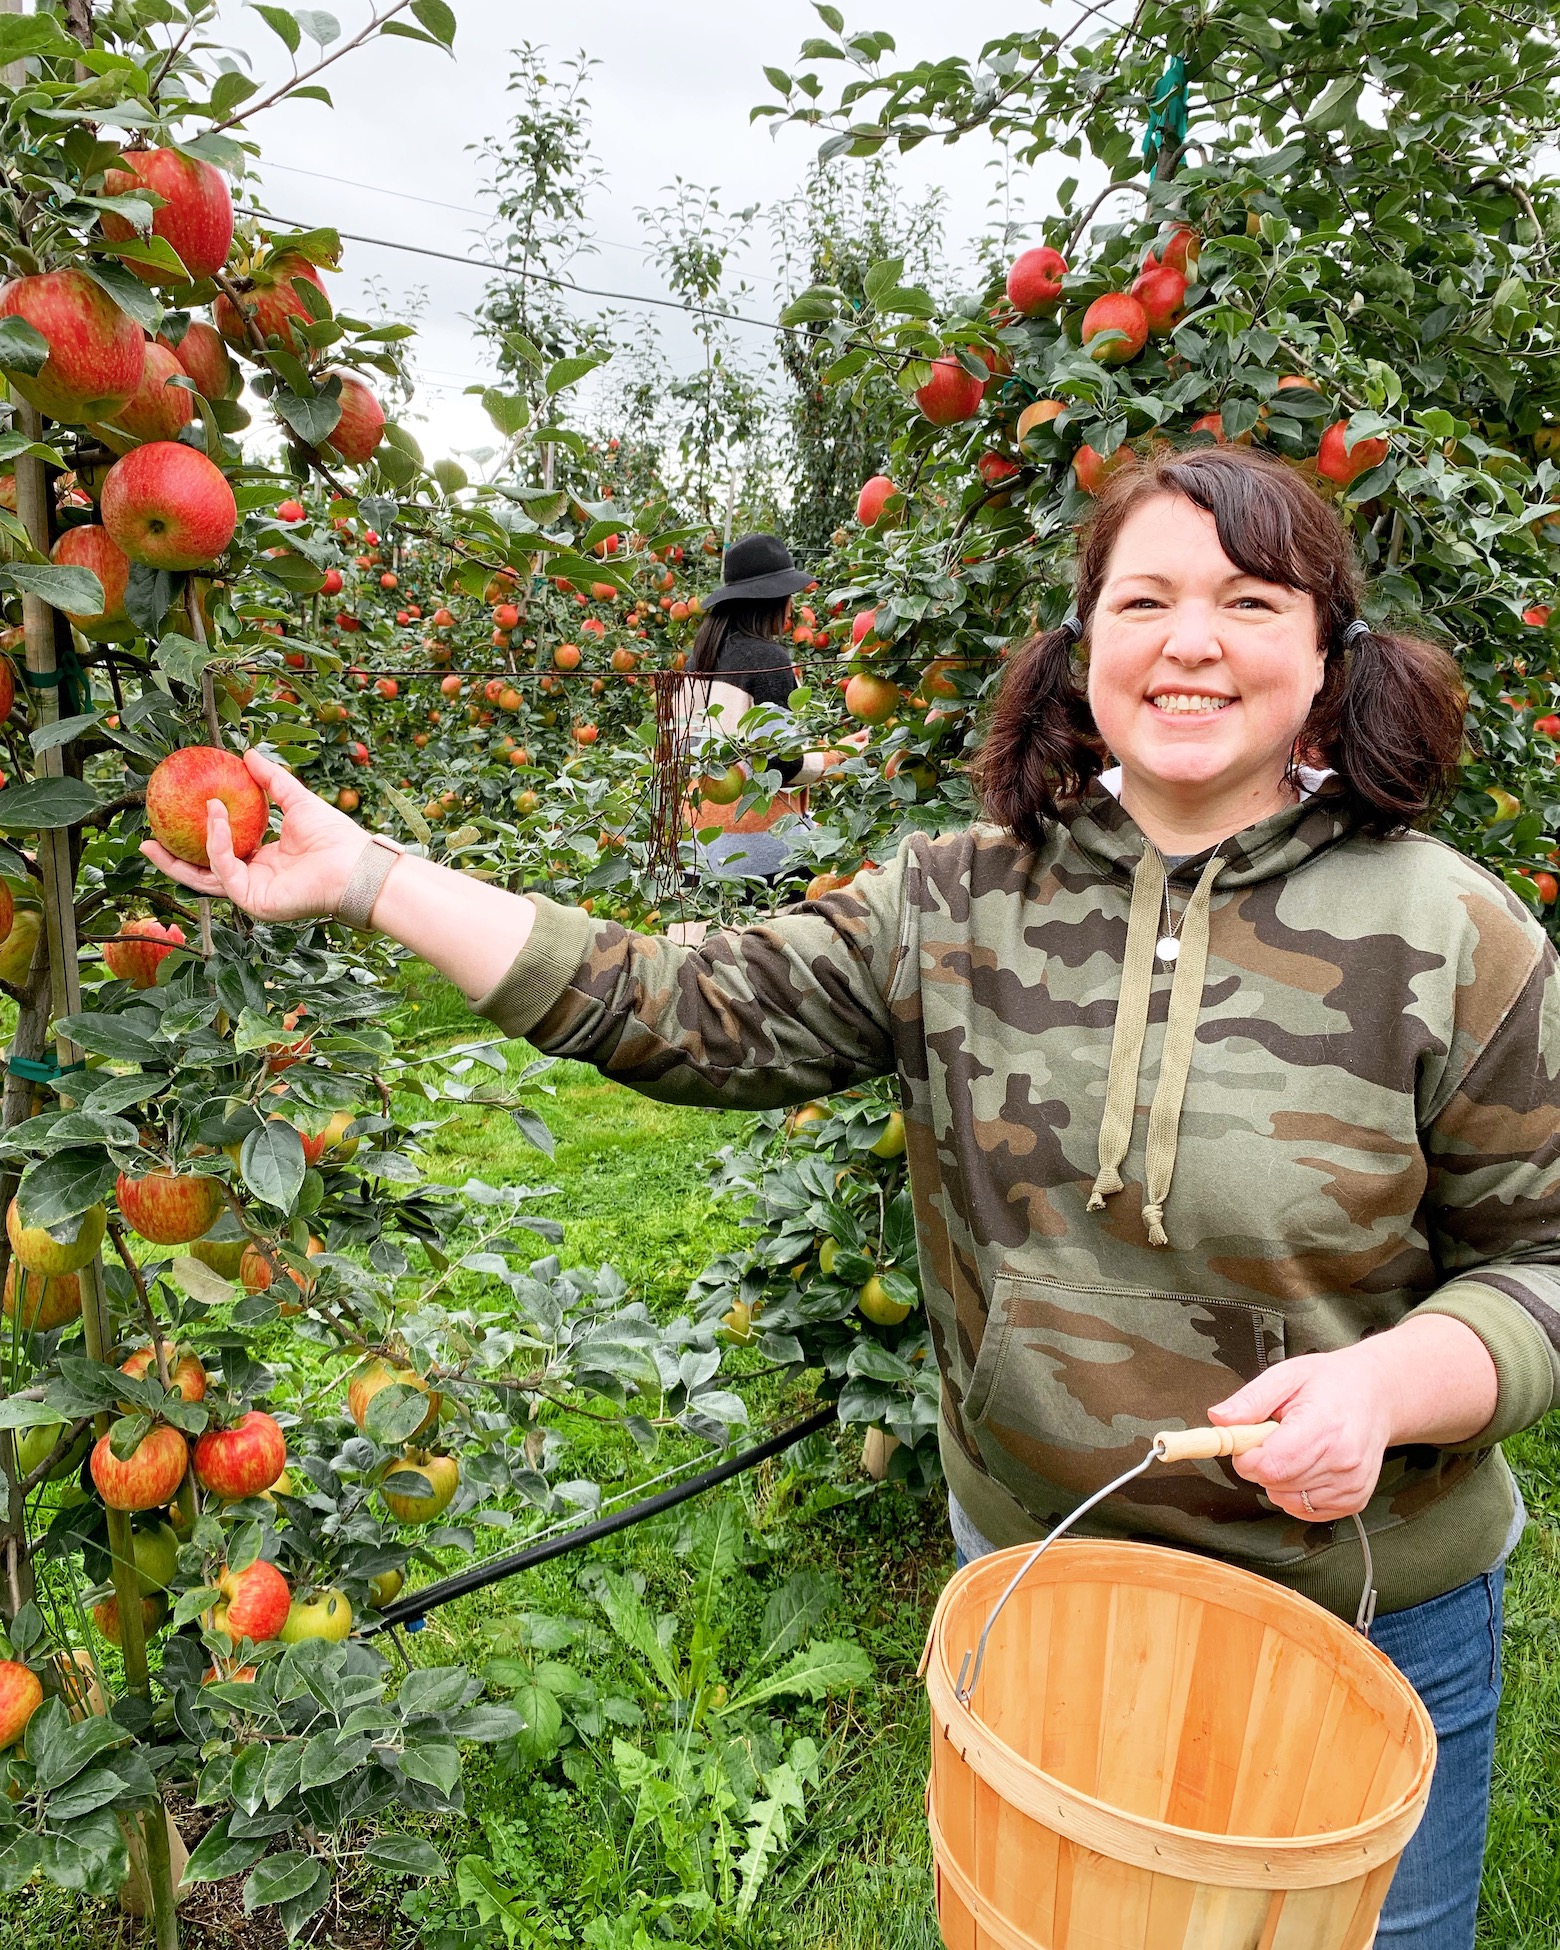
(59, 909)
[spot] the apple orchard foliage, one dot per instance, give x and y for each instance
(250, 1076)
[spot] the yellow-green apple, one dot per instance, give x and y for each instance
(1034, 283)
(181, 787)
(170, 1208)
(137, 961)
(437, 1479)
(254, 1604)
(362, 424)
(156, 1554)
(92, 547)
(950, 394)
(204, 357)
(723, 788)
(869, 503)
(269, 303)
(242, 1460)
(337, 1144)
(156, 409)
(186, 1376)
(148, 1477)
(34, 1446)
(95, 349)
(319, 1614)
(386, 1586)
(1117, 312)
(223, 1256)
(105, 1615)
(196, 216)
(20, 943)
(892, 1143)
(1337, 461)
(21, 1694)
(377, 1375)
(168, 506)
(48, 1301)
(40, 1252)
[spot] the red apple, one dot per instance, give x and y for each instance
(1091, 470)
(994, 468)
(1337, 461)
(169, 507)
(105, 1615)
(95, 350)
(255, 1603)
(243, 1460)
(270, 304)
(1034, 284)
(196, 217)
(869, 503)
(951, 394)
(94, 548)
(1537, 618)
(1039, 413)
(48, 1302)
(21, 1694)
(137, 961)
(1161, 291)
(1181, 250)
(361, 426)
(332, 583)
(170, 1208)
(157, 409)
(290, 511)
(150, 1475)
(1117, 311)
(871, 699)
(862, 625)
(186, 1376)
(179, 790)
(204, 357)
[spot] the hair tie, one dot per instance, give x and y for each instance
(1071, 628)
(1359, 627)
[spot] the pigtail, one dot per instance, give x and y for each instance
(1389, 723)
(1041, 748)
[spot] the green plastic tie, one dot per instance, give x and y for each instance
(1167, 114)
(41, 1069)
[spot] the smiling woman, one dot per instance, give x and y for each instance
(1301, 1164)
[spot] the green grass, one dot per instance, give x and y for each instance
(631, 1191)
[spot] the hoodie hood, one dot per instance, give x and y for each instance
(1113, 843)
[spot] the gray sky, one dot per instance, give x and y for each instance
(671, 97)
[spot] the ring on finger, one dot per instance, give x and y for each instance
(1306, 1504)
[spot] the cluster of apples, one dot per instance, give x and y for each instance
(163, 503)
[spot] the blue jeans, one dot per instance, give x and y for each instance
(1449, 1651)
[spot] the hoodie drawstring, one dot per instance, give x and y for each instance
(1126, 1048)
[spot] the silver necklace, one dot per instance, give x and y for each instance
(1167, 949)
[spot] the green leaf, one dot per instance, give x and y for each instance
(321, 28)
(627, 1616)
(568, 372)
(23, 348)
(394, 1414)
(281, 24)
(327, 1757)
(313, 417)
(405, 1855)
(205, 1287)
(414, 819)
(508, 411)
(218, 1855)
(59, 1749)
(190, 1606)
(181, 657)
(1338, 102)
(281, 1878)
(231, 89)
(435, 1763)
(793, 1610)
(768, 1833)
(127, 291)
(76, 590)
(24, 35)
(41, 805)
(57, 1190)
(272, 1163)
(437, 18)
(542, 1715)
(63, 731)
(825, 1666)
(811, 307)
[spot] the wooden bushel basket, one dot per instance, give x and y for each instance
(1163, 1753)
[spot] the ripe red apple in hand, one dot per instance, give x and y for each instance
(361, 426)
(148, 1477)
(156, 409)
(179, 793)
(243, 1460)
(168, 506)
(204, 357)
(21, 1694)
(95, 350)
(255, 1602)
(94, 548)
(137, 961)
(170, 1208)
(196, 216)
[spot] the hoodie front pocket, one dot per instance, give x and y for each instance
(1073, 1378)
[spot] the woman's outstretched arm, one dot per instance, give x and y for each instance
(468, 931)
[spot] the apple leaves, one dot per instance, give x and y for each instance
(272, 1164)
(77, 591)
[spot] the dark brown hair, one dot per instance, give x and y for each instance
(764, 616)
(1387, 721)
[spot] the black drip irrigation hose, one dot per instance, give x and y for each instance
(411, 1610)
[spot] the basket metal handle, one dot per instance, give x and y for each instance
(1169, 1445)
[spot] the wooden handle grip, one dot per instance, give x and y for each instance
(1196, 1445)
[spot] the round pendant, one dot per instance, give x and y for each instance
(1168, 949)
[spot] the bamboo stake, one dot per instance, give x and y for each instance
(59, 908)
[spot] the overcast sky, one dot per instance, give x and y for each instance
(671, 97)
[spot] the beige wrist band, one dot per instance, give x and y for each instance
(356, 906)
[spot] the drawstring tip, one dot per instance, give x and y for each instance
(1108, 1183)
(1154, 1219)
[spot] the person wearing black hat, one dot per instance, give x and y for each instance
(740, 647)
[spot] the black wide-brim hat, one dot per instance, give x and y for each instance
(758, 567)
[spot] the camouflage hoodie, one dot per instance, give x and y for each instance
(1360, 1115)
